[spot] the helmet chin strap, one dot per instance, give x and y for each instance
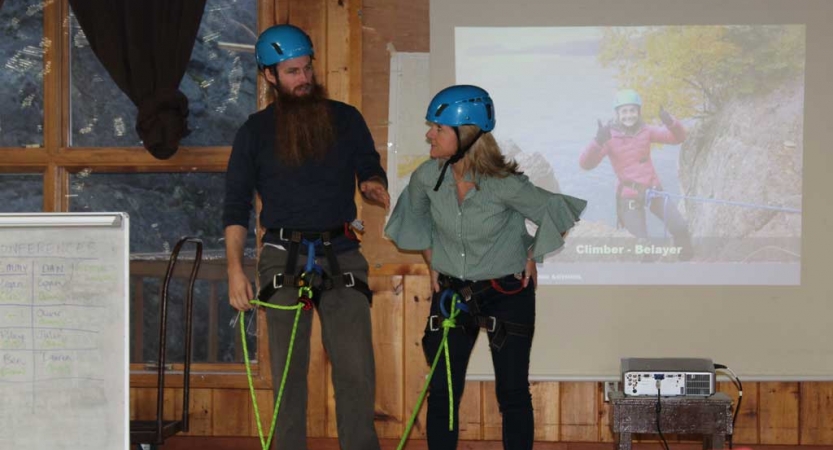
(461, 151)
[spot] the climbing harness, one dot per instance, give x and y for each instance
(313, 278)
(470, 293)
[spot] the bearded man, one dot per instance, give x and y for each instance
(303, 154)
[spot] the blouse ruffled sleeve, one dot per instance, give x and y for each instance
(554, 213)
(410, 226)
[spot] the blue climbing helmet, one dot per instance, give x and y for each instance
(462, 105)
(281, 42)
(627, 97)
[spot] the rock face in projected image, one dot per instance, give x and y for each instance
(750, 152)
(533, 165)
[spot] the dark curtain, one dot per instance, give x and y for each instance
(1, 3)
(145, 45)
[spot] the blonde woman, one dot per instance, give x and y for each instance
(468, 222)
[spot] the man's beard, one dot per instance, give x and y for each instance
(304, 126)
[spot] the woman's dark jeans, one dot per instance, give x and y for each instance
(511, 364)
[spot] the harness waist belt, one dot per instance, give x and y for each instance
(289, 234)
(470, 289)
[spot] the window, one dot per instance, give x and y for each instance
(68, 143)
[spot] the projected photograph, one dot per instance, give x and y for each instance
(686, 141)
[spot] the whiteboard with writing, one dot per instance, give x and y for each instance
(64, 331)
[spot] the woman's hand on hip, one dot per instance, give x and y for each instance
(435, 282)
(530, 273)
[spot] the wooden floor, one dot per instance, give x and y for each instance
(229, 443)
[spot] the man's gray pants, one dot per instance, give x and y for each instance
(347, 336)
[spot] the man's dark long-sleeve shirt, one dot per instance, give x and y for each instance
(316, 196)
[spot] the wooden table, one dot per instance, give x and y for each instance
(708, 416)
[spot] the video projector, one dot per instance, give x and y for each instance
(676, 377)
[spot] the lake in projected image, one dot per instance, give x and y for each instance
(686, 141)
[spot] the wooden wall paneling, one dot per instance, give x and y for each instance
(746, 426)
(311, 16)
(388, 331)
(778, 413)
(546, 405)
(605, 416)
(402, 25)
(343, 42)
(265, 407)
(401, 269)
(492, 418)
(338, 50)
(199, 412)
(133, 407)
(354, 62)
(471, 418)
(331, 429)
(270, 12)
(263, 379)
(579, 417)
(145, 403)
(375, 77)
(816, 413)
(215, 376)
(416, 294)
(172, 403)
(231, 409)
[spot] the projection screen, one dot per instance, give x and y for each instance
(706, 232)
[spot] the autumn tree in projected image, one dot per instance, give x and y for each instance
(695, 70)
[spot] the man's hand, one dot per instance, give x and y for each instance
(239, 291)
(376, 192)
(666, 118)
(603, 133)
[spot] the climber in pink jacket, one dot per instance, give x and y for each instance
(626, 141)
